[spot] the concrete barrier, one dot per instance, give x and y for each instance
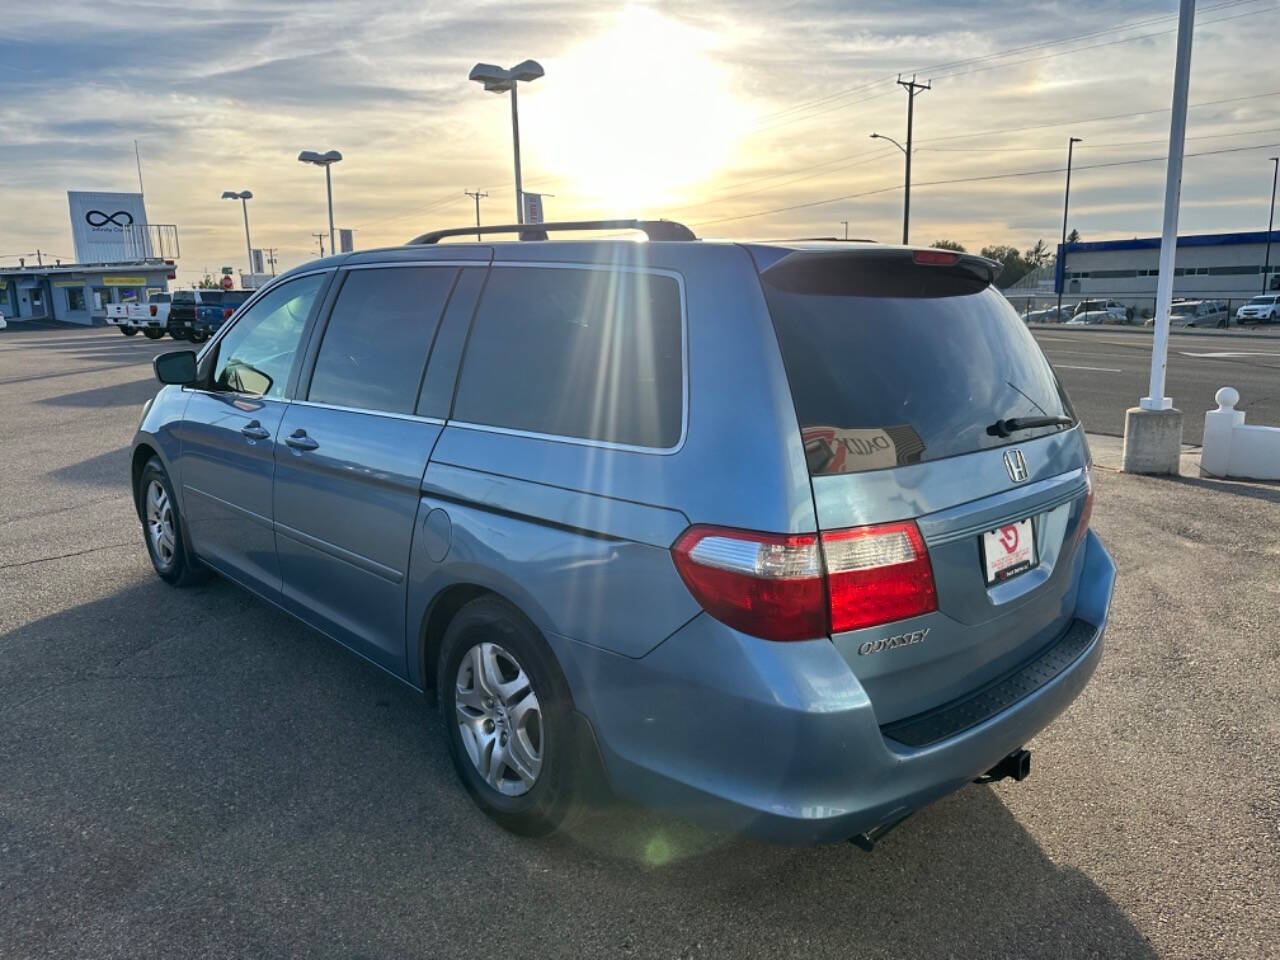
(1234, 449)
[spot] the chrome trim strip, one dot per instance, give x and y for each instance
(390, 264)
(373, 413)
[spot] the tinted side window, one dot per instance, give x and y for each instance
(257, 353)
(378, 338)
(594, 354)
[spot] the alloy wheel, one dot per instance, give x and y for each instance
(160, 523)
(499, 718)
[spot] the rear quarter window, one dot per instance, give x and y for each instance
(581, 353)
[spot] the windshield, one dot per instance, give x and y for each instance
(1179, 309)
(1263, 300)
(883, 381)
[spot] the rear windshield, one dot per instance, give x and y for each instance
(184, 296)
(210, 298)
(159, 298)
(917, 369)
(234, 298)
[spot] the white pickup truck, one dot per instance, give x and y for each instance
(152, 317)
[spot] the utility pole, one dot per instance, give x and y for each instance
(912, 89)
(320, 238)
(1271, 222)
(1060, 268)
(478, 197)
(846, 228)
(271, 258)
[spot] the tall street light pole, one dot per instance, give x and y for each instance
(499, 80)
(906, 205)
(1271, 222)
(1060, 268)
(244, 196)
(326, 160)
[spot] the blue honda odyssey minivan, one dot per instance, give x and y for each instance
(789, 537)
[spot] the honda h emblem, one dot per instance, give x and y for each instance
(1016, 464)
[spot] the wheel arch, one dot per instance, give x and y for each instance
(142, 452)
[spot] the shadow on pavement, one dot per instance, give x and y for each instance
(110, 469)
(193, 773)
(133, 393)
(1266, 490)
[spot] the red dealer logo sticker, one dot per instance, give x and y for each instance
(1009, 538)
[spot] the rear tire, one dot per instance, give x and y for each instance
(162, 528)
(129, 331)
(152, 333)
(508, 717)
(198, 337)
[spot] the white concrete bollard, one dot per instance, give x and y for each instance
(1215, 455)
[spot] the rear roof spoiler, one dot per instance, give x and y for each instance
(653, 229)
(834, 271)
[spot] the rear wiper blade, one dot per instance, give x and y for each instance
(1005, 428)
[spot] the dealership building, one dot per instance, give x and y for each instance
(121, 259)
(1207, 266)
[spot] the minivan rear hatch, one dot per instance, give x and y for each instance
(933, 427)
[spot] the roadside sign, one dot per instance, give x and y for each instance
(227, 283)
(227, 271)
(532, 207)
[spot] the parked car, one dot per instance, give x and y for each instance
(1263, 309)
(512, 474)
(211, 316)
(1117, 310)
(1050, 315)
(4, 324)
(182, 313)
(1196, 313)
(1092, 317)
(152, 316)
(118, 317)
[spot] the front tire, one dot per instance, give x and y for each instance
(129, 331)
(162, 527)
(509, 719)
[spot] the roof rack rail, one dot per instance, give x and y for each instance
(653, 229)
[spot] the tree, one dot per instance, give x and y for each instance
(948, 245)
(1073, 236)
(207, 283)
(1014, 267)
(1037, 256)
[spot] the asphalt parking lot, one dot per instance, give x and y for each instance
(192, 774)
(1107, 369)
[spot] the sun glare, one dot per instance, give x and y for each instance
(641, 113)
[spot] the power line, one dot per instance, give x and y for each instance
(1113, 116)
(1095, 146)
(993, 176)
(830, 99)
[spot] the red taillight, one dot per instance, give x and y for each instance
(767, 585)
(877, 574)
(227, 312)
(935, 258)
(800, 586)
(1086, 512)
(153, 309)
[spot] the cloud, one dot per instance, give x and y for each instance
(222, 96)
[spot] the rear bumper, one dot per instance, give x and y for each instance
(779, 741)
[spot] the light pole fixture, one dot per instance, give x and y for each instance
(1060, 267)
(326, 160)
(498, 80)
(244, 196)
(1271, 221)
(906, 197)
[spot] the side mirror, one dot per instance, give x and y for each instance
(177, 366)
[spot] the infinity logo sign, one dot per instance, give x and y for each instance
(96, 218)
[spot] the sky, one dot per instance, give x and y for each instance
(741, 119)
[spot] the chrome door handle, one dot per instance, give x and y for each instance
(255, 431)
(300, 441)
